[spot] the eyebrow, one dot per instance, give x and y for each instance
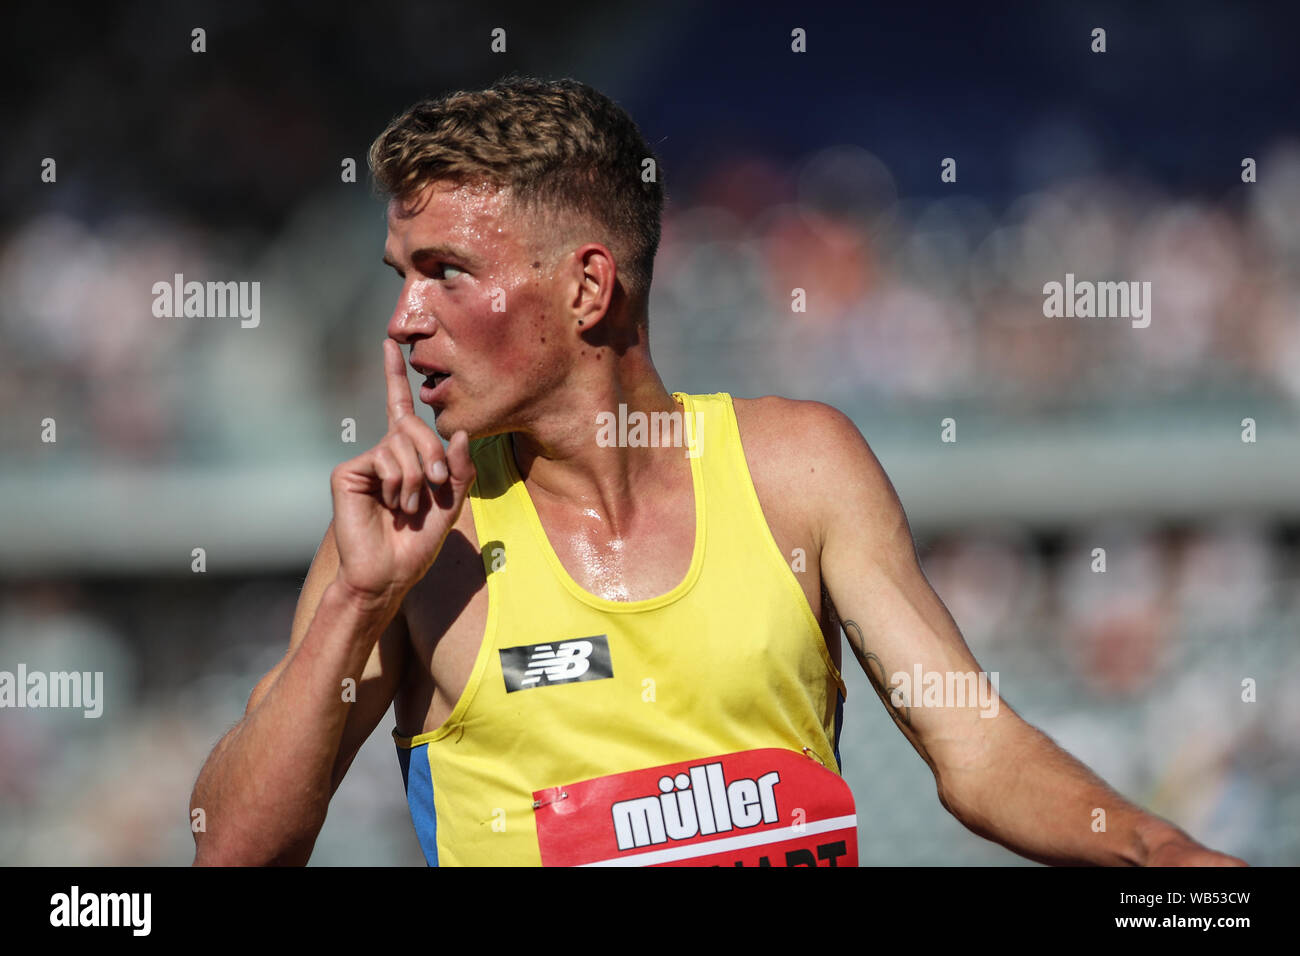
(440, 251)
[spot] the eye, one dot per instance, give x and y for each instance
(450, 271)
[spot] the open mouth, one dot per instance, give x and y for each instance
(436, 379)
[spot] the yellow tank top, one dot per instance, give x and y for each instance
(570, 687)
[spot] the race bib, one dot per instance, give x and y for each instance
(768, 807)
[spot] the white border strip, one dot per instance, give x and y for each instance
(744, 841)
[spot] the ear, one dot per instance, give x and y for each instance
(596, 273)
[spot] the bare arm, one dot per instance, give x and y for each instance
(1001, 777)
(266, 786)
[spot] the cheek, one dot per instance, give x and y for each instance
(521, 344)
(528, 332)
(495, 343)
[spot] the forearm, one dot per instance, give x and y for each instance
(265, 788)
(1029, 795)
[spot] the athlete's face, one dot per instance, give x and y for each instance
(476, 302)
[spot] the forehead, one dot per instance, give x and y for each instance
(476, 216)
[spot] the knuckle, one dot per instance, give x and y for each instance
(412, 427)
(339, 473)
(402, 442)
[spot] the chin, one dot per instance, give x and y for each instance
(447, 423)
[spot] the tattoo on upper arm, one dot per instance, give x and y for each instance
(875, 669)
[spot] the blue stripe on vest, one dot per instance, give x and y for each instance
(419, 795)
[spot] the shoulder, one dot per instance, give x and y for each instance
(773, 416)
(816, 450)
(801, 438)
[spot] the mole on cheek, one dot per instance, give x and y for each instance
(537, 265)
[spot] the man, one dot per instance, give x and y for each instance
(626, 649)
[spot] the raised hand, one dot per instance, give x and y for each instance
(394, 504)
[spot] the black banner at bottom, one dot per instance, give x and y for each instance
(337, 905)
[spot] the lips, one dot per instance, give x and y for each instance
(435, 387)
(432, 373)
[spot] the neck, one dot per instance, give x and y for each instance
(559, 452)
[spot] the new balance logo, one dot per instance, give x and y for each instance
(569, 662)
(539, 665)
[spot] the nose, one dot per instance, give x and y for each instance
(412, 318)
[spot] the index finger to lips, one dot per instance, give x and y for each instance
(399, 388)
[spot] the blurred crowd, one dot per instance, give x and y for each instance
(935, 300)
(905, 302)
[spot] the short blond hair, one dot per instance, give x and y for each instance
(566, 152)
